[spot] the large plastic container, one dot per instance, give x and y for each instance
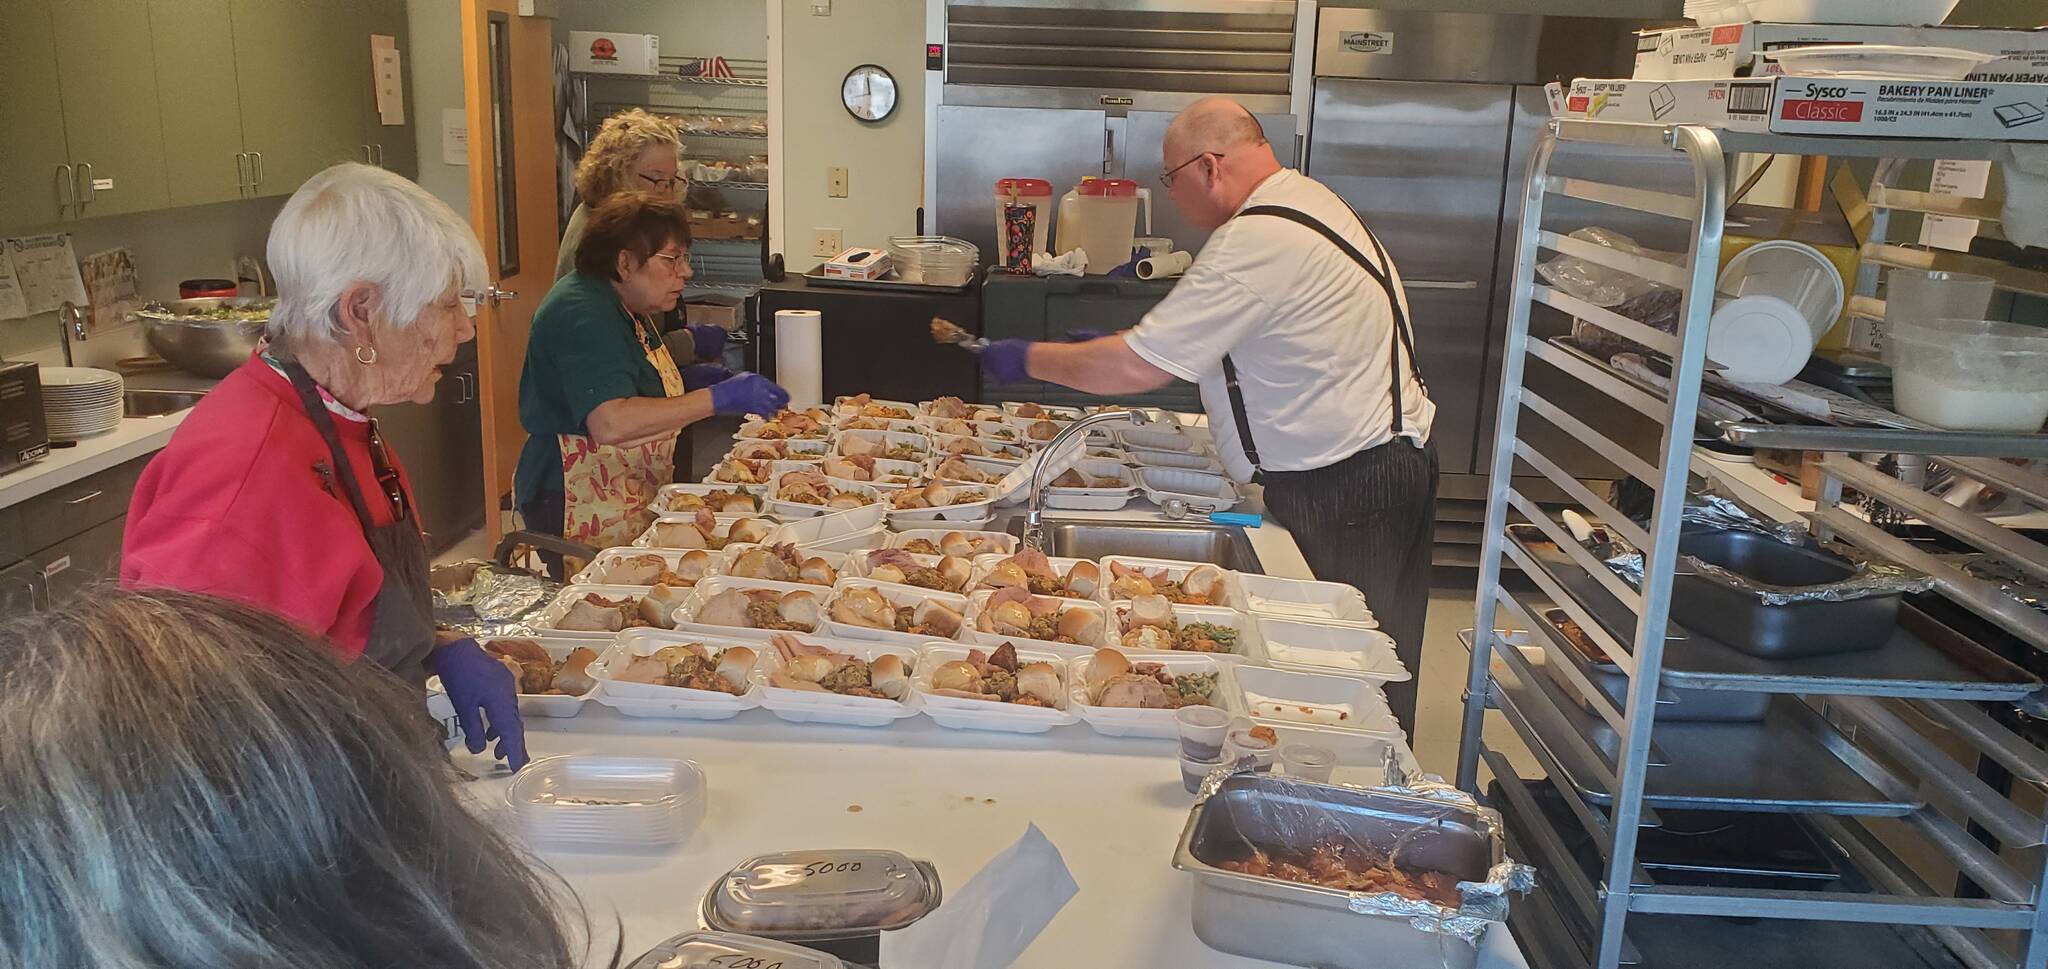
(1970, 375)
(1914, 296)
(1100, 216)
(1034, 192)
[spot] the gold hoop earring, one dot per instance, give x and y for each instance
(366, 355)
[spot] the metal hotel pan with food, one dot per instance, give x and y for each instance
(1308, 925)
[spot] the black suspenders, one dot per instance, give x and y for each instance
(1401, 339)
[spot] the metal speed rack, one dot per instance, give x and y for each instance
(1907, 751)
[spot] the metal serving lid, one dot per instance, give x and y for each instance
(822, 894)
(726, 950)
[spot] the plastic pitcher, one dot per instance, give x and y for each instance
(1100, 216)
(1034, 192)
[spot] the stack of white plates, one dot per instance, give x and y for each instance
(79, 402)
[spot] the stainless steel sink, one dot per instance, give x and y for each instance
(155, 403)
(1223, 545)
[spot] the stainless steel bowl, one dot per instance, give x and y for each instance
(197, 345)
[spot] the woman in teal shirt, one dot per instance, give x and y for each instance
(600, 397)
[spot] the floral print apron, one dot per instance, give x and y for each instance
(607, 491)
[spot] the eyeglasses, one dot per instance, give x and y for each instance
(678, 262)
(1166, 177)
(665, 184)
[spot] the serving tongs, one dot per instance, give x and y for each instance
(946, 331)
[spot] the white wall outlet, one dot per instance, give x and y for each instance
(825, 243)
(835, 182)
(821, 8)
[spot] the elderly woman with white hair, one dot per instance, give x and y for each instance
(277, 491)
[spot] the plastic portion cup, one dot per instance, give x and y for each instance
(1201, 731)
(1239, 746)
(1308, 762)
(1194, 771)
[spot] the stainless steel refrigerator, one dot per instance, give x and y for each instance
(1424, 123)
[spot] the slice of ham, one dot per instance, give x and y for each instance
(1038, 605)
(1034, 562)
(892, 556)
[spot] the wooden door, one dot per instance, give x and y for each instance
(106, 69)
(508, 71)
(302, 70)
(199, 103)
(32, 156)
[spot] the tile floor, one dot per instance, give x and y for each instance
(1440, 709)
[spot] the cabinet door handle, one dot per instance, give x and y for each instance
(82, 499)
(1464, 284)
(84, 192)
(39, 584)
(255, 169)
(365, 149)
(66, 189)
(380, 155)
(242, 173)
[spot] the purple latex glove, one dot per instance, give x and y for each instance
(1005, 361)
(698, 376)
(748, 393)
(478, 684)
(709, 340)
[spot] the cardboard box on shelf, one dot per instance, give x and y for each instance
(1743, 50)
(606, 52)
(1824, 106)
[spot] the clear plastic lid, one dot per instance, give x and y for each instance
(822, 894)
(725, 950)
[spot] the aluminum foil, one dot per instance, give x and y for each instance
(1296, 809)
(488, 600)
(2007, 577)
(1873, 577)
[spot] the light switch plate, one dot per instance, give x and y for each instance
(826, 243)
(835, 182)
(822, 8)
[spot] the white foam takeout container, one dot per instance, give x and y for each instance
(686, 616)
(810, 706)
(1057, 412)
(965, 714)
(544, 621)
(652, 700)
(887, 440)
(979, 601)
(900, 539)
(1218, 615)
(837, 560)
(1318, 647)
(1362, 758)
(898, 595)
(844, 406)
(750, 430)
(1135, 722)
(596, 572)
(910, 426)
(803, 450)
(1147, 458)
(1271, 695)
(986, 564)
(961, 512)
(1308, 599)
(1011, 454)
(860, 567)
(548, 704)
(648, 539)
(662, 495)
(1094, 499)
(914, 470)
(1199, 490)
(828, 529)
(997, 470)
(1175, 569)
(1156, 438)
(798, 509)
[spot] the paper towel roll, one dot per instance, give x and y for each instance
(1160, 267)
(800, 356)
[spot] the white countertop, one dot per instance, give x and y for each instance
(135, 437)
(1114, 807)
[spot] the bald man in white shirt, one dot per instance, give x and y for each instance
(1293, 323)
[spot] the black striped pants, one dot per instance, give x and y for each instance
(1370, 521)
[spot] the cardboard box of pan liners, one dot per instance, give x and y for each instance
(1824, 106)
(1742, 50)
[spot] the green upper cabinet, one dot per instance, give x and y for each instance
(303, 70)
(396, 147)
(32, 155)
(113, 126)
(201, 110)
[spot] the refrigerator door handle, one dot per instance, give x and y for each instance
(1463, 284)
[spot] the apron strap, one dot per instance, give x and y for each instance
(309, 398)
(1402, 337)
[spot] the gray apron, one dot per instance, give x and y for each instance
(402, 615)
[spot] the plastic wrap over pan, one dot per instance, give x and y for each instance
(1345, 877)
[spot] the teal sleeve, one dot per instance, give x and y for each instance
(587, 346)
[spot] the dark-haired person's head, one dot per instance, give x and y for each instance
(193, 784)
(640, 243)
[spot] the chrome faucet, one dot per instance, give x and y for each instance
(70, 326)
(1034, 531)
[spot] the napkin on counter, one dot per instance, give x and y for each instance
(1073, 262)
(991, 920)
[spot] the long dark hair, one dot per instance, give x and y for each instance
(192, 784)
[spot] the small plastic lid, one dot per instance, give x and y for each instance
(1309, 756)
(1109, 187)
(822, 894)
(726, 950)
(1759, 339)
(1023, 186)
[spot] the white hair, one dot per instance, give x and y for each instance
(358, 223)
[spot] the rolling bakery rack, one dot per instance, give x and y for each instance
(1907, 765)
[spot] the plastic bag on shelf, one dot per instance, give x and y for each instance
(1652, 304)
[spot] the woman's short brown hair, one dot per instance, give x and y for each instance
(637, 222)
(608, 161)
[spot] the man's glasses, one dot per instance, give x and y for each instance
(1166, 177)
